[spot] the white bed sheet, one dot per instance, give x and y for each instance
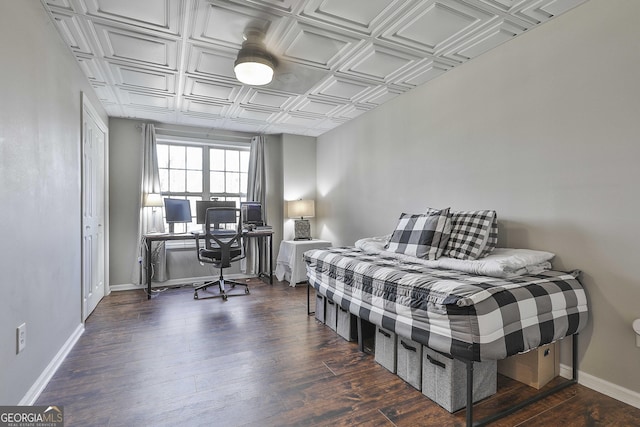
(502, 262)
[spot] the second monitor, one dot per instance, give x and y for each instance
(203, 205)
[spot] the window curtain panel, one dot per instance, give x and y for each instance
(150, 184)
(256, 192)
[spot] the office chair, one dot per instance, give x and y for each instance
(221, 248)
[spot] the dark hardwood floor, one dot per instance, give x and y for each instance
(259, 360)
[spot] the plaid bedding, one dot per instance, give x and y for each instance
(467, 316)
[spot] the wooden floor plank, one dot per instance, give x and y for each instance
(259, 360)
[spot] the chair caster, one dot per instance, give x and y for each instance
(246, 290)
(224, 297)
(195, 295)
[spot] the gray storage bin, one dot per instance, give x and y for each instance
(385, 348)
(347, 325)
(320, 305)
(444, 380)
(409, 361)
(331, 314)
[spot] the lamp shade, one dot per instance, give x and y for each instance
(153, 200)
(254, 71)
(301, 209)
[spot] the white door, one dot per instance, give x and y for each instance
(94, 134)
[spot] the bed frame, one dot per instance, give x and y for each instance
(510, 410)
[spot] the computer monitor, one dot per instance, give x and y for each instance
(177, 210)
(203, 205)
(251, 213)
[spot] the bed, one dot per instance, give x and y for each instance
(504, 303)
(465, 315)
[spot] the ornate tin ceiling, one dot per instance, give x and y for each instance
(171, 61)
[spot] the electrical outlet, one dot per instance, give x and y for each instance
(21, 337)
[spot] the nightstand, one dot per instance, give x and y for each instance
(290, 265)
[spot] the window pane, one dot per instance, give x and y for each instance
(176, 181)
(163, 156)
(233, 182)
(194, 158)
(164, 180)
(194, 181)
(216, 160)
(177, 157)
(243, 183)
(244, 161)
(233, 160)
(217, 182)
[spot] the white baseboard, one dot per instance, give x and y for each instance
(622, 394)
(46, 375)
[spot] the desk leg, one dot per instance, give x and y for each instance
(148, 266)
(271, 260)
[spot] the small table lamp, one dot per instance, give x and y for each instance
(301, 209)
(153, 201)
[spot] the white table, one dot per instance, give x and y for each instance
(290, 265)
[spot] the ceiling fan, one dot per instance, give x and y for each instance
(255, 65)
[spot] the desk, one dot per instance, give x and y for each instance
(165, 237)
(290, 265)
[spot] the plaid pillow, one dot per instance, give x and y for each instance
(470, 234)
(492, 241)
(421, 235)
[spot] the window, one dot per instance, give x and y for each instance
(202, 172)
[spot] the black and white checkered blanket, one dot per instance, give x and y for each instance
(467, 316)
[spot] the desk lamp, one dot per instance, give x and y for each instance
(153, 201)
(301, 209)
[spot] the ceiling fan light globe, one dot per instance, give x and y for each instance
(251, 72)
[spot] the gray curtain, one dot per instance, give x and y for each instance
(256, 192)
(148, 219)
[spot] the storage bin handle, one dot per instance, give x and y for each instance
(436, 362)
(407, 346)
(385, 333)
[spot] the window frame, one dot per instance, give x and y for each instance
(206, 194)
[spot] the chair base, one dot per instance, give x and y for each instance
(221, 283)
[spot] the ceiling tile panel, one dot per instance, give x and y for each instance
(342, 89)
(143, 79)
(424, 72)
(379, 63)
(487, 39)
(146, 100)
(223, 23)
(137, 47)
(267, 98)
(363, 16)
(208, 108)
(211, 63)
(159, 15)
(71, 31)
(314, 46)
(286, 6)
(315, 106)
(172, 61)
(434, 25)
(211, 89)
(91, 68)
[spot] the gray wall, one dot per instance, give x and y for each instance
(544, 129)
(125, 154)
(299, 176)
(40, 112)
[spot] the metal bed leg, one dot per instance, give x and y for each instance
(526, 402)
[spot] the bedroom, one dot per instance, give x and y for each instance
(553, 151)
